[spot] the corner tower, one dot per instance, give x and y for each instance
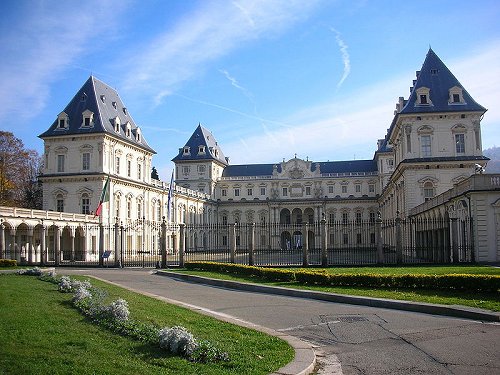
(200, 162)
(435, 136)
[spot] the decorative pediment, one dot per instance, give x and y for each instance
(459, 128)
(296, 169)
(425, 129)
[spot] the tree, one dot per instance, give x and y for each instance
(154, 174)
(19, 168)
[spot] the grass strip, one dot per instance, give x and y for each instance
(487, 301)
(43, 334)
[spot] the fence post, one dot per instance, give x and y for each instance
(251, 245)
(232, 241)
(454, 239)
(163, 243)
(118, 244)
(57, 245)
(101, 244)
(2, 241)
(324, 250)
(399, 240)
(305, 245)
(182, 243)
(380, 240)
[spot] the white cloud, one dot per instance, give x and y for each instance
(40, 44)
(345, 57)
(207, 33)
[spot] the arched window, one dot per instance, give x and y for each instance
(60, 203)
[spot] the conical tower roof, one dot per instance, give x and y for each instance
(201, 146)
(436, 77)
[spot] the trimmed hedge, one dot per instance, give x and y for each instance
(8, 263)
(463, 282)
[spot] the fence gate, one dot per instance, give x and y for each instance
(140, 243)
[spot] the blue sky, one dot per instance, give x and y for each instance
(270, 79)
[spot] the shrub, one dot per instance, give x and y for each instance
(35, 271)
(118, 310)
(8, 263)
(177, 340)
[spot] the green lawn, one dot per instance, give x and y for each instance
(43, 334)
(488, 301)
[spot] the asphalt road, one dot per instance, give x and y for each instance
(365, 340)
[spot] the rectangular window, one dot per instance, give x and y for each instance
(308, 190)
(249, 192)
(224, 240)
(60, 205)
(86, 122)
(372, 217)
(428, 194)
(344, 189)
(85, 205)
(129, 209)
(117, 165)
(129, 168)
(330, 189)
(223, 192)
(236, 192)
(262, 191)
(224, 220)
(345, 239)
(139, 171)
(285, 192)
(186, 169)
(423, 99)
(86, 161)
(456, 98)
(345, 217)
(60, 163)
(460, 143)
(358, 188)
(408, 143)
(358, 217)
(371, 188)
(201, 168)
(331, 217)
(139, 210)
(425, 144)
(358, 238)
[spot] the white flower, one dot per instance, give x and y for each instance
(177, 340)
(119, 310)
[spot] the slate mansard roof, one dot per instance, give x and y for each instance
(106, 105)
(328, 167)
(436, 76)
(210, 149)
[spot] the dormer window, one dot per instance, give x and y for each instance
(138, 135)
(423, 96)
(116, 124)
(128, 130)
(455, 95)
(87, 119)
(84, 97)
(125, 112)
(201, 149)
(103, 98)
(62, 121)
(187, 151)
(114, 105)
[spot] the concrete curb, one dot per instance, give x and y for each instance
(303, 362)
(421, 307)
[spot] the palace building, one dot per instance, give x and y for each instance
(432, 146)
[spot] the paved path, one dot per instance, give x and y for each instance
(365, 340)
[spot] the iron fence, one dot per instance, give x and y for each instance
(143, 243)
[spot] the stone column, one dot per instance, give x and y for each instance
(30, 248)
(43, 250)
(72, 237)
